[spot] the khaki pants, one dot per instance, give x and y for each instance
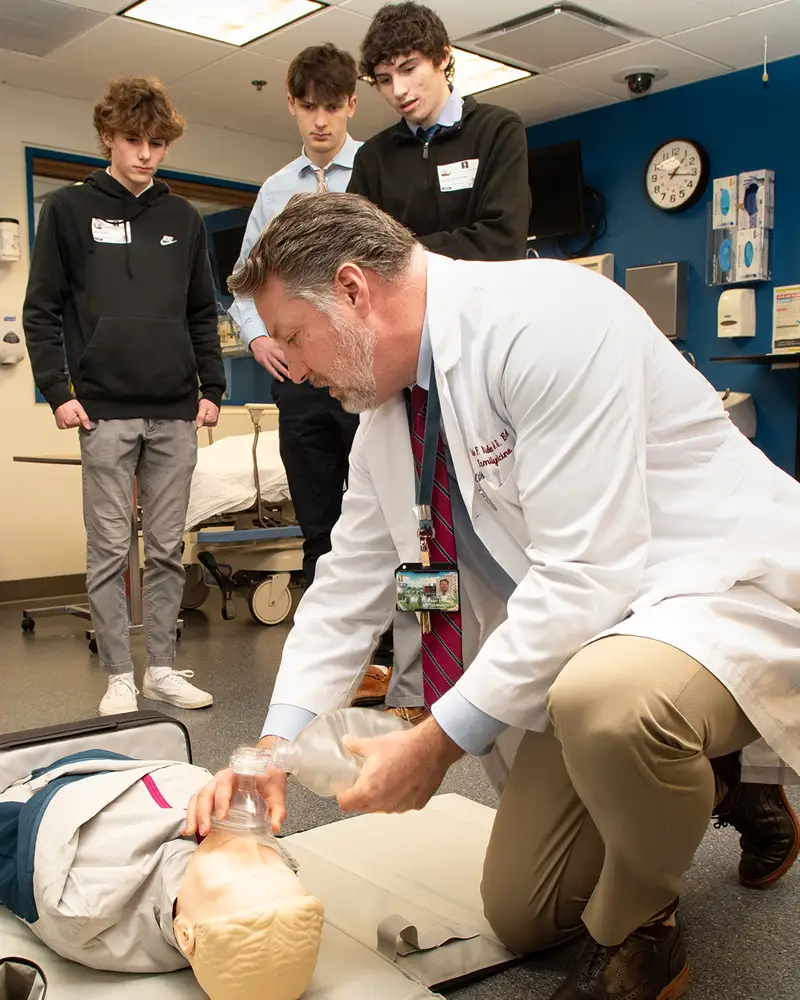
(602, 814)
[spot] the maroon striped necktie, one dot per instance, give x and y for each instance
(442, 661)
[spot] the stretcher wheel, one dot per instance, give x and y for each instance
(93, 645)
(265, 607)
(28, 624)
(195, 589)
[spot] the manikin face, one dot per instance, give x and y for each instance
(134, 159)
(322, 127)
(337, 352)
(245, 921)
(414, 86)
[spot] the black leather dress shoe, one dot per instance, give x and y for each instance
(650, 964)
(768, 826)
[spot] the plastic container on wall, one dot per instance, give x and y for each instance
(10, 240)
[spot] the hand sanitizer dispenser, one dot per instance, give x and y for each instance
(736, 315)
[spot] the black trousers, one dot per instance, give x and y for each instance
(315, 436)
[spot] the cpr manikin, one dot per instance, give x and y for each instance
(242, 917)
(115, 886)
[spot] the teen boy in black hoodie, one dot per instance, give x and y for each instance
(454, 171)
(120, 282)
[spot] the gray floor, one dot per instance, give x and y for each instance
(744, 945)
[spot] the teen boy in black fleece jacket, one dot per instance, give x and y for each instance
(120, 281)
(454, 171)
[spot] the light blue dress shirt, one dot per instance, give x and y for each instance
(467, 726)
(449, 115)
(294, 178)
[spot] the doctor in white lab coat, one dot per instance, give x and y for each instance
(630, 574)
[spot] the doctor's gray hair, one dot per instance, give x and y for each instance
(306, 244)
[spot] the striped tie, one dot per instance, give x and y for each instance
(322, 180)
(442, 662)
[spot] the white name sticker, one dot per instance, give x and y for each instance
(457, 176)
(111, 231)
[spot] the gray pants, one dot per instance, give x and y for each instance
(162, 455)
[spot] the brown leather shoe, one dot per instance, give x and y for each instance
(373, 687)
(412, 715)
(650, 964)
(768, 826)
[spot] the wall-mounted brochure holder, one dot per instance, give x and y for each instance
(741, 217)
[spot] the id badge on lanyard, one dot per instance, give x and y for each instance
(425, 586)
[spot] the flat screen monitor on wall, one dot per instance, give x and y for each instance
(556, 181)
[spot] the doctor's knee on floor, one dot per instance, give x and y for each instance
(527, 915)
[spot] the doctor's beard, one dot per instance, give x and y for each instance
(352, 374)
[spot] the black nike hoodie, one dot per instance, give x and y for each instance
(124, 286)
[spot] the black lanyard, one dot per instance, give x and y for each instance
(425, 480)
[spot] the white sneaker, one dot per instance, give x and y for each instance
(120, 697)
(174, 689)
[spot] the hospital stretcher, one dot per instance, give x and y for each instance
(242, 530)
(403, 915)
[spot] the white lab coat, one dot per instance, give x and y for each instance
(109, 859)
(603, 474)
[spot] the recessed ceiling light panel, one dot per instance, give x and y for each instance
(234, 21)
(476, 73)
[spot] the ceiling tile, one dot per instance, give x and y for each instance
(556, 38)
(739, 41)
(119, 46)
(104, 6)
(682, 66)
(543, 99)
(229, 80)
(660, 19)
(38, 27)
(343, 28)
(463, 17)
(33, 73)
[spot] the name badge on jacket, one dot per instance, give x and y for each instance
(111, 231)
(457, 176)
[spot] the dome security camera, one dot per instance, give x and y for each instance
(639, 83)
(640, 79)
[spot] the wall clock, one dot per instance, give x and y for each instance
(676, 175)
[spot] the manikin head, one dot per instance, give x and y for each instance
(135, 123)
(342, 287)
(406, 54)
(245, 922)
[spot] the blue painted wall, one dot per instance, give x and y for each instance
(743, 125)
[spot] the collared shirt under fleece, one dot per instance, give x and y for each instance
(464, 191)
(295, 178)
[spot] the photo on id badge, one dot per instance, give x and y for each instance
(431, 588)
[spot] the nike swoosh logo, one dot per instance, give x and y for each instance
(167, 241)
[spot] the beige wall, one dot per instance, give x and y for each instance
(41, 532)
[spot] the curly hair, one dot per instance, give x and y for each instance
(400, 28)
(137, 105)
(323, 72)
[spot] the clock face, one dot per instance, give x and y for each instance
(676, 175)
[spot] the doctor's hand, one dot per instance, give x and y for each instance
(207, 414)
(72, 414)
(270, 356)
(215, 798)
(402, 770)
